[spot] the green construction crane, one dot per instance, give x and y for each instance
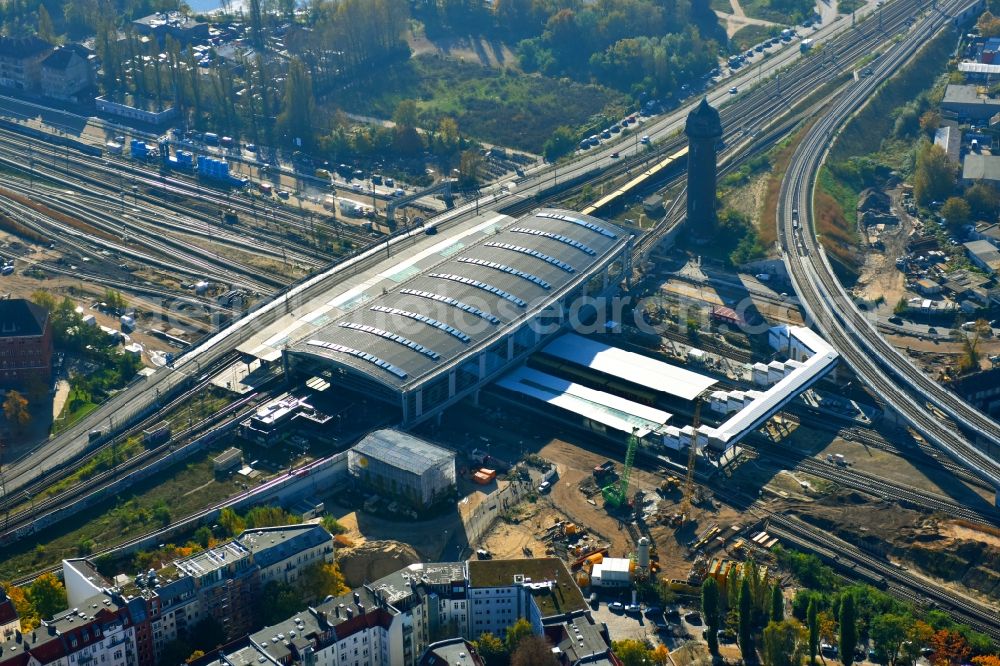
(616, 494)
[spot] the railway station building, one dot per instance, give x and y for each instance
(454, 317)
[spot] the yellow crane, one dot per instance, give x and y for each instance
(688, 499)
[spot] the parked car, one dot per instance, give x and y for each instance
(616, 607)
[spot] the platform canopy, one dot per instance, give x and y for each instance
(604, 408)
(635, 368)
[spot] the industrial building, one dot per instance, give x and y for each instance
(404, 466)
(449, 319)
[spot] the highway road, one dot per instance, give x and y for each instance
(897, 381)
(759, 105)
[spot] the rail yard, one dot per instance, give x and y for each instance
(698, 417)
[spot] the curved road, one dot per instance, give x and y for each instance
(896, 380)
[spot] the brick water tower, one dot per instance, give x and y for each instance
(703, 130)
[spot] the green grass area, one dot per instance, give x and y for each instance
(848, 6)
(722, 6)
(785, 12)
(502, 107)
(104, 460)
(750, 35)
(77, 406)
(836, 223)
(171, 494)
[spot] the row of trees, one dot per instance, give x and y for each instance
(827, 611)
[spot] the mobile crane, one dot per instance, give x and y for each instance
(616, 494)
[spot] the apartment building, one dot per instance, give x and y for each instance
(66, 72)
(415, 615)
(224, 583)
(21, 62)
(101, 630)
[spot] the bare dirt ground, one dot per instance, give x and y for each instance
(508, 540)
(879, 275)
(369, 561)
(427, 537)
(469, 48)
(958, 554)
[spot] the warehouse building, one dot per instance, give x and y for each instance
(454, 317)
(404, 466)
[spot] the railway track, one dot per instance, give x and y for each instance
(119, 182)
(876, 486)
(898, 581)
(890, 374)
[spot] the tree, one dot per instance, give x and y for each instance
(533, 651)
(22, 604)
(986, 660)
(983, 202)
(468, 168)
(321, 579)
(950, 648)
(176, 651)
(298, 107)
(632, 652)
(407, 141)
(777, 604)
(745, 635)
(15, 409)
(45, 29)
(560, 143)
(47, 595)
(934, 178)
(231, 522)
(283, 600)
(988, 24)
(114, 300)
(918, 637)
(516, 633)
(956, 212)
(848, 640)
(930, 121)
(492, 650)
(203, 536)
(661, 656)
(812, 620)
(710, 609)
(781, 643)
(889, 631)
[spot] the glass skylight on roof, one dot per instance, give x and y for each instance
(447, 300)
(556, 237)
(389, 335)
(575, 220)
(365, 356)
(440, 325)
(533, 253)
(510, 270)
(480, 285)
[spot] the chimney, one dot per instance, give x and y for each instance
(361, 609)
(357, 598)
